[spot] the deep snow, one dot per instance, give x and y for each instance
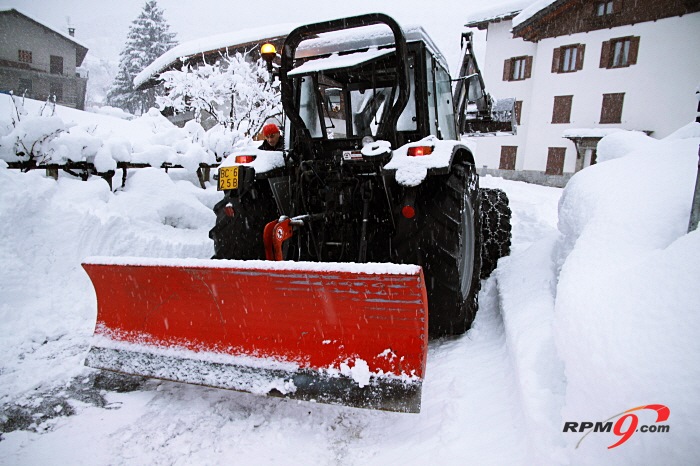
(594, 313)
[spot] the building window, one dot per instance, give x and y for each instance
(607, 8)
(518, 111)
(517, 69)
(24, 56)
(555, 161)
(568, 58)
(508, 154)
(56, 90)
(562, 109)
(25, 87)
(56, 64)
(611, 111)
(604, 8)
(619, 52)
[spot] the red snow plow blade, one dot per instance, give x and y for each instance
(348, 334)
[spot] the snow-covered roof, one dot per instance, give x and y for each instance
(496, 13)
(532, 10)
(56, 30)
(209, 44)
(327, 43)
(340, 61)
(589, 132)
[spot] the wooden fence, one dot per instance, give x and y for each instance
(84, 170)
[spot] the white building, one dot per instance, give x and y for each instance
(581, 68)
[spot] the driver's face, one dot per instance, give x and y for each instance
(273, 139)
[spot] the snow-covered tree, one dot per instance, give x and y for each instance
(236, 93)
(148, 38)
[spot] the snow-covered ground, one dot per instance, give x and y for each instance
(594, 313)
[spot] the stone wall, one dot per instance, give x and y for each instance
(528, 176)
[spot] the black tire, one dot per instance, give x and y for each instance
(495, 228)
(241, 236)
(449, 248)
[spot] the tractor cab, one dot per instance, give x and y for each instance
(350, 88)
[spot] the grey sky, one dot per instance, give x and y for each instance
(102, 24)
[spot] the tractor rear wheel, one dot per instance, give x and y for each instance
(495, 228)
(241, 236)
(449, 242)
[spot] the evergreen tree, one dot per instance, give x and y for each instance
(149, 37)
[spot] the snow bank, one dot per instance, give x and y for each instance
(600, 316)
(626, 315)
(47, 228)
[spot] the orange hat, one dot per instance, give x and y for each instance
(270, 129)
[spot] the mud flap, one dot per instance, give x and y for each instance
(349, 334)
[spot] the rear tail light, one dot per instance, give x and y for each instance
(244, 158)
(228, 210)
(418, 151)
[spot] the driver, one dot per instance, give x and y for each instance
(273, 141)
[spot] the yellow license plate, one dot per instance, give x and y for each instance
(228, 178)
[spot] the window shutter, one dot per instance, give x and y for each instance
(611, 111)
(507, 65)
(561, 112)
(528, 67)
(617, 6)
(605, 55)
(579, 56)
(556, 58)
(634, 49)
(518, 111)
(555, 160)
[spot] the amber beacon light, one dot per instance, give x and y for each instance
(268, 52)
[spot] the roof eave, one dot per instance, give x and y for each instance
(528, 30)
(482, 24)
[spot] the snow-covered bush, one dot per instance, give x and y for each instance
(25, 137)
(233, 92)
(46, 133)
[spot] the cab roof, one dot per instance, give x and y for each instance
(364, 38)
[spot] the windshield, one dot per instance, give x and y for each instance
(350, 103)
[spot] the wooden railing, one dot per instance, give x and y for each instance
(84, 170)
